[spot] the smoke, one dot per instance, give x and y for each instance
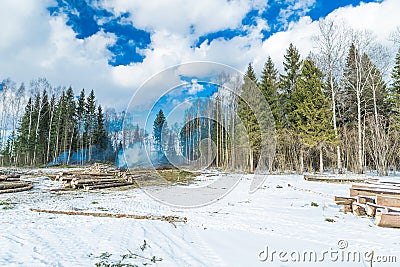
(136, 155)
(81, 157)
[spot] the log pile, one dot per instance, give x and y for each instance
(9, 185)
(375, 199)
(98, 176)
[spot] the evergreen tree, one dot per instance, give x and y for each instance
(269, 88)
(393, 99)
(288, 81)
(101, 133)
(311, 115)
(159, 130)
(90, 122)
(248, 105)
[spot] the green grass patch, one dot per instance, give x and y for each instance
(176, 175)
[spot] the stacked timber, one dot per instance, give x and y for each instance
(98, 176)
(376, 199)
(12, 186)
(339, 178)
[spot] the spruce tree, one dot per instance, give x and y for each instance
(90, 122)
(100, 133)
(250, 104)
(288, 81)
(393, 99)
(269, 88)
(311, 115)
(159, 129)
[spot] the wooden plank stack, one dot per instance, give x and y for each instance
(376, 199)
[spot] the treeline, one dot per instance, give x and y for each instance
(337, 109)
(335, 106)
(57, 127)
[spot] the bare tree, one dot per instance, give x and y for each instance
(332, 42)
(358, 81)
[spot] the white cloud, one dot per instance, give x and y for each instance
(177, 16)
(39, 45)
(195, 87)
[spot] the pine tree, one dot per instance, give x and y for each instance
(311, 115)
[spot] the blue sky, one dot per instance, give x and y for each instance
(115, 46)
(87, 17)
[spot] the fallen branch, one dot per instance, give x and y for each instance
(170, 219)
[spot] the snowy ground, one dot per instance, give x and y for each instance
(241, 229)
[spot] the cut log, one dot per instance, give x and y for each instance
(171, 219)
(358, 209)
(388, 201)
(27, 187)
(365, 199)
(348, 207)
(66, 178)
(93, 181)
(334, 178)
(372, 208)
(14, 175)
(390, 219)
(103, 186)
(344, 200)
(10, 185)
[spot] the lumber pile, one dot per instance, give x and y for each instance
(375, 199)
(99, 176)
(14, 186)
(339, 178)
(91, 182)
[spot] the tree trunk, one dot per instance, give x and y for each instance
(359, 143)
(301, 169)
(321, 160)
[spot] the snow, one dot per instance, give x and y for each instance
(234, 231)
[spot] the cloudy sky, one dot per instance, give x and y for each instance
(113, 46)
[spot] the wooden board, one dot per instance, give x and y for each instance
(388, 201)
(390, 219)
(373, 192)
(375, 186)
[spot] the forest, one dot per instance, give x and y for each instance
(338, 109)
